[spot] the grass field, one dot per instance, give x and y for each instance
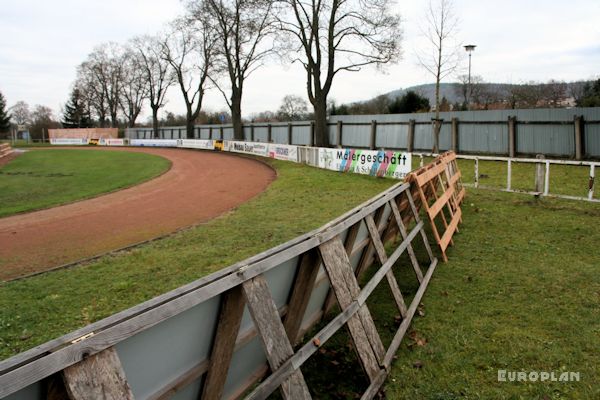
(45, 178)
(521, 291)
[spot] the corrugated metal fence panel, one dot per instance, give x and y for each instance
(279, 133)
(260, 133)
(332, 134)
(423, 139)
(355, 135)
(247, 133)
(301, 135)
(489, 138)
(445, 137)
(591, 132)
(228, 133)
(392, 136)
(557, 140)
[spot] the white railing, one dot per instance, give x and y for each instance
(542, 176)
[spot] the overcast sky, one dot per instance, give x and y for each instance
(42, 42)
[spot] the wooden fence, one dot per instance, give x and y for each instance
(285, 290)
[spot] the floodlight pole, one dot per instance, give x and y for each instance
(469, 48)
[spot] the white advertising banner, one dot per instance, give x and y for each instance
(112, 142)
(256, 148)
(154, 142)
(283, 152)
(391, 164)
(196, 144)
(69, 141)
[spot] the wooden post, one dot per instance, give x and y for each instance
(311, 141)
(455, 134)
(273, 336)
(578, 121)
(539, 174)
(230, 318)
(338, 134)
(476, 172)
(289, 133)
(269, 133)
(221, 132)
(509, 174)
(210, 136)
(512, 136)
(591, 182)
(411, 136)
(252, 133)
(99, 376)
(373, 137)
(43, 136)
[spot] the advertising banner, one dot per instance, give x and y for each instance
(391, 164)
(283, 152)
(69, 141)
(196, 144)
(259, 149)
(154, 142)
(112, 142)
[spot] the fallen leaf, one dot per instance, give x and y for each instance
(418, 364)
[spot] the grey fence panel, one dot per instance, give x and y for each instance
(445, 137)
(546, 139)
(423, 137)
(227, 133)
(591, 132)
(169, 349)
(248, 133)
(332, 134)
(489, 138)
(279, 134)
(354, 136)
(261, 133)
(392, 136)
(301, 135)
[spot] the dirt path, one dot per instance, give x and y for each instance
(198, 187)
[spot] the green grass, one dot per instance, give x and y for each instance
(59, 302)
(521, 290)
(45, 178)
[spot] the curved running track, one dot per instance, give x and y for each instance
(198, 187)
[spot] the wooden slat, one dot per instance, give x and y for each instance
(439, 204)
(302, 289)
(380, 250)
(447, 238)
(98, 377)
(273, 336)
(349, 245)
(404, 234)
(362, 328)
(367, 256)
(228, 326)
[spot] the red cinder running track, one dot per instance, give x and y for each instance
(199, 186)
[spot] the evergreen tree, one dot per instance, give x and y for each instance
(409, 103)
(76, 113)
(4, 116)
(591, 95)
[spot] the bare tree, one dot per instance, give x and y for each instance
(21, 115)
(92, 91)
(157, 72)
(133, 88)
(189, 49)
(443, 56)
(293, 108)
(242, 27)
(332, 36)
(105, 65)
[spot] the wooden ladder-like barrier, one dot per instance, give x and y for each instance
(439, 187)
(5, 149)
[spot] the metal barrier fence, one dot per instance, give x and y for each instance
(573, 133)
(220, 334)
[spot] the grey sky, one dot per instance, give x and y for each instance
(41, 44)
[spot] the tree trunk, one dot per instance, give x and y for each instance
(189, 128)
(437, 126)
(155, 121)
(321, 129)
(236, 114)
